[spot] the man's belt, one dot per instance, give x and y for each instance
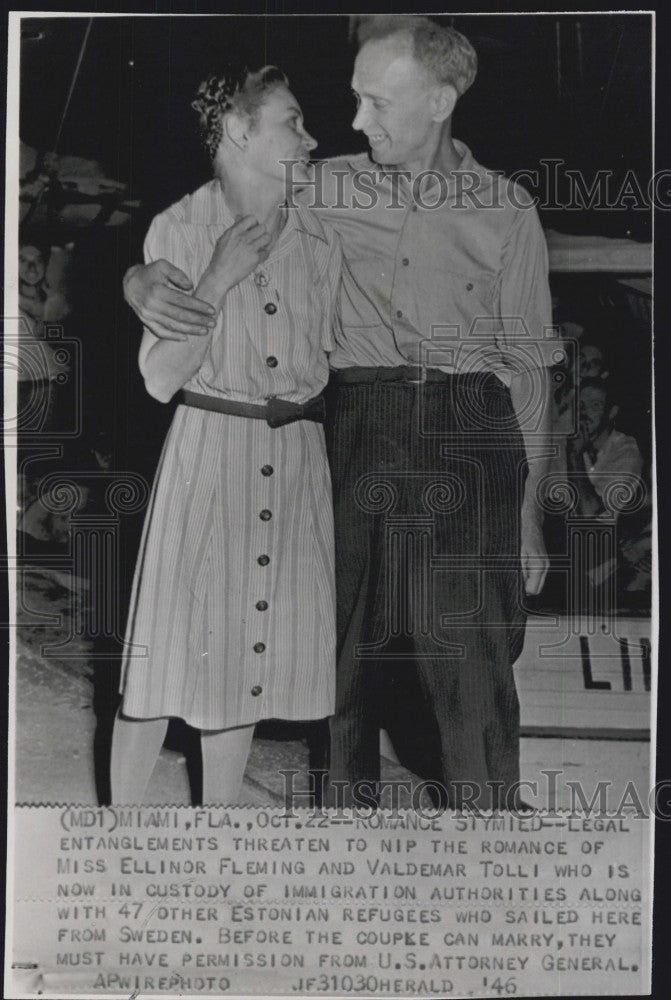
(276, 412)
(403, 373)
(415, 375)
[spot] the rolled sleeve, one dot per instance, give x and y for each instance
(332, 288)
(185, 245)
(168, 239)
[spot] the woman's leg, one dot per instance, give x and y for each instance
(225, 753)
(136, 744)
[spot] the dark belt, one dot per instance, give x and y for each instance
(276, 412)
(404, 373)
(414, 375)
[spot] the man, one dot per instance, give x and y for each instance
(604, 465)
(592, 359)
(441, 355)
(598, 456)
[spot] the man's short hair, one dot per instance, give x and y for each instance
(444, 53)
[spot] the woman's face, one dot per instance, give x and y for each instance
(279, 134)
(32, 267)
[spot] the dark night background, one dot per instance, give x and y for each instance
(130, 108)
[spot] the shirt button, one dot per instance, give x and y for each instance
(265, 515)
(399, 313)
(469, 286)
(263, 560)
(262, 605)
(271, 362)
(256, 690)
(270, 308)
(405, 262)
(259, 647)
(267, 470)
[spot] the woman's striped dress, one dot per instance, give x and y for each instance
(232, 611)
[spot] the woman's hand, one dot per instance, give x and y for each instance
(162, 296)
(237, 252)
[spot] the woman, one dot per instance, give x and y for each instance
(232, 612)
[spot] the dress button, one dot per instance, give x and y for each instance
(265, 515)
(469, 286)
(256, 690)
(259, 647)
(270, 308)
(263, 560)
(271, 362)
(262, 605)
(405, 262)
(267, 470)
(399, 313)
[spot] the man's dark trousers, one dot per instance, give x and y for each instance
(427, 482)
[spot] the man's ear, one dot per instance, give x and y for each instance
(235, 129)
(613, 412)
(444, 100)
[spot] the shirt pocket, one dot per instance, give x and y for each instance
(458, 314)
(366, 292)
(452, 296)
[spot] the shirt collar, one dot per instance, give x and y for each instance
(306, 222)
(386, 170)
(208, 207)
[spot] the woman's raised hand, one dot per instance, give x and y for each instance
(162, 296)
(238, 251)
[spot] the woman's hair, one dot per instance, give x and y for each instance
(238, 89)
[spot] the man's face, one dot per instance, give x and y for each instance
(279, 134)
(594, 414)
(591, 361)
(31, 265)
(394, 108)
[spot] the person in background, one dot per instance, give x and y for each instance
(37, 299)
(598, 454)
(33, 262)
(592, 359)
(599, 459)
(586, 359)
